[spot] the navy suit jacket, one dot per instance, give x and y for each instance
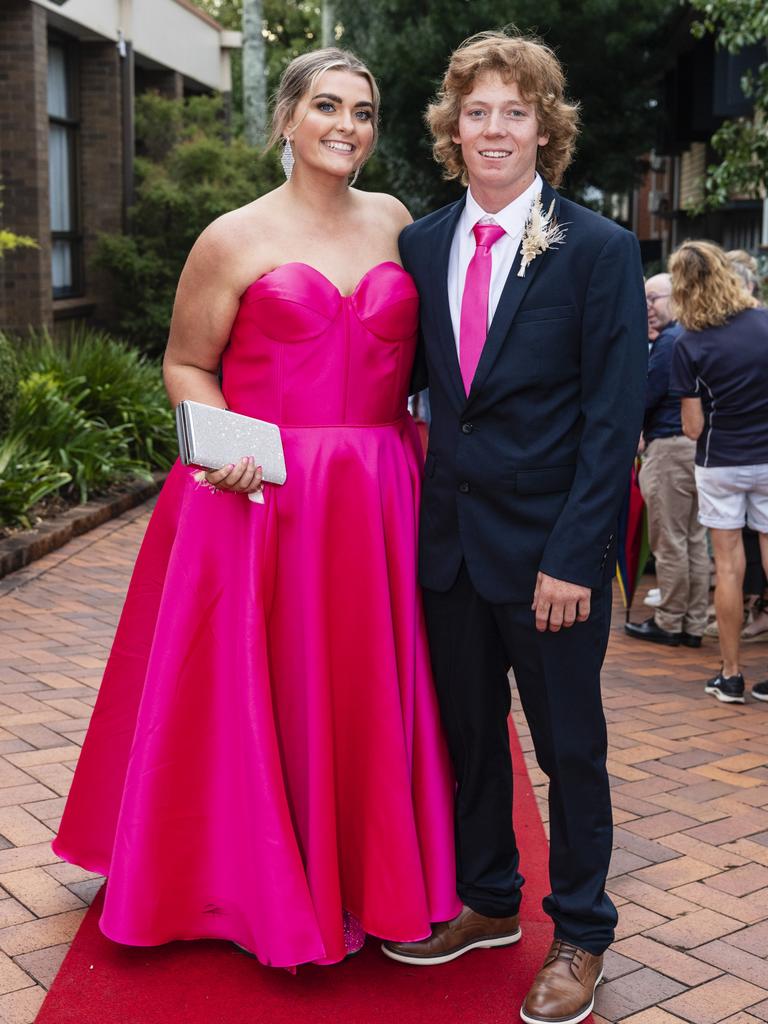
(528, 472)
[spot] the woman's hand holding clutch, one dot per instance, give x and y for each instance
(244, 477)
(210, 436)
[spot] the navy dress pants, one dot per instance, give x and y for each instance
(473, 645)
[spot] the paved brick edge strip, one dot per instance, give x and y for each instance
(22, 548)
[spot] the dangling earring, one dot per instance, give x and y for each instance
(286, 158)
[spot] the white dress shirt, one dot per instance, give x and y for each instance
(512, 218)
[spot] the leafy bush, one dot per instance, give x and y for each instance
(26, 477)
(9, 240)
(9, 383)
(189, 172)
(122, 387)
(50, 416)
(91, 412)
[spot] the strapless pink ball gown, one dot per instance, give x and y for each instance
(265, 757)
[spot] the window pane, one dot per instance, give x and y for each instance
(60, 174)
(61, 265)
(58, 83)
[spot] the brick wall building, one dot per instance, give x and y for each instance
(69, 71)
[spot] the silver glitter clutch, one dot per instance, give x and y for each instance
(212, 438)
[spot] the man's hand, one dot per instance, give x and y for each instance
(559, 604)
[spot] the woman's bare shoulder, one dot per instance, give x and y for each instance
(388, 207)
(236, 243)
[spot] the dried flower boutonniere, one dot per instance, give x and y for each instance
(542, 232)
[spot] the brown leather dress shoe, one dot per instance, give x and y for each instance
(563, 991)
(451, 939)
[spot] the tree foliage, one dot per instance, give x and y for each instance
(9, 240)
(742, 143)
(611, 50)
(189, 173)
(291, 27)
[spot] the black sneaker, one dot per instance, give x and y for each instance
(760, 691)
(727, 688)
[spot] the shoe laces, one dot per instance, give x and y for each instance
(562, 950)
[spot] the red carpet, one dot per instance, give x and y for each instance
(213, 983)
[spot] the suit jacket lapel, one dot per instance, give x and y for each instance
(511, 297)
(446, 342)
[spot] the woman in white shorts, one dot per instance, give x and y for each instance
(720, 371)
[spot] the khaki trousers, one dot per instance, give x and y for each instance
(677, 539)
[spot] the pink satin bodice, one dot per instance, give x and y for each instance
(303, 354)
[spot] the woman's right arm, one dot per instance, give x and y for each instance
(206, 304)
(203, 312)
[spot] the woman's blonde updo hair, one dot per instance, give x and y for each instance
(706, 290)
(539, 76)
(300, 77)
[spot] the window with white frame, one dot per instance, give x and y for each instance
(63, 128)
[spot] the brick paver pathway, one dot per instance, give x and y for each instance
(689, 777)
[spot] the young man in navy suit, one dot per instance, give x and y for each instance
(534, 349)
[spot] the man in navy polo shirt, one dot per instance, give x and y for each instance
(668, 486)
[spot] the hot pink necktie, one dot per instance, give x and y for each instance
(473, 325)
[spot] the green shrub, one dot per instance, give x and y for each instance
(91, 411)
(158, 125)
(9, 240)
(190, 172)
(50, 418)
(26, 476)
(9, 383)
(121, 387)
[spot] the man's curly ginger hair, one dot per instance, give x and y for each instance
(540, 78)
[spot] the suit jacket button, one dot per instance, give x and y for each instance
(464, 487)
(467, 428)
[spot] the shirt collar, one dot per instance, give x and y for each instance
(512, 217)
(670, 326)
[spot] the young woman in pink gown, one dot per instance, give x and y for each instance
(265, 762)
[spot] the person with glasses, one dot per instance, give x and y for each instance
(668, 486)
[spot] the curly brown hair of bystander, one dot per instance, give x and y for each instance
(706, 290)
(541, 80)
